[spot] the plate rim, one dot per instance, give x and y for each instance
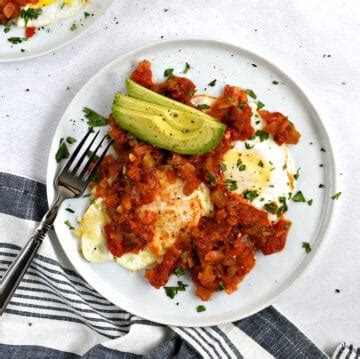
(26, 57)
(325, 220)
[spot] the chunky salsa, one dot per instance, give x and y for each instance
(221, 249)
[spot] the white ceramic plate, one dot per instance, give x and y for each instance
(52, 37)
(273, 274)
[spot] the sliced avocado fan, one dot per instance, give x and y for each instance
(175, 130)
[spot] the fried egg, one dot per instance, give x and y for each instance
(175, 212)
(51, 11)
(259, 169)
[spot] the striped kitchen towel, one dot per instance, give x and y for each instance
(54, 313)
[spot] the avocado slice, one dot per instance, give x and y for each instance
(182, 121)
(142, 93)
(154, 129)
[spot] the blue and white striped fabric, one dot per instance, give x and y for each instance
(56, 314)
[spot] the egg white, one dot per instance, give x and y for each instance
(52, 11)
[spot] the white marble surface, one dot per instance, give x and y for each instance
(295, 35)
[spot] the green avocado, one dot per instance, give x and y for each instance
(151, 124)
(142, 93)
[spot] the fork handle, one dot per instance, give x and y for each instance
(17, 269)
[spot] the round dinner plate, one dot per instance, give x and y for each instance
(53, 36)
(229, 64)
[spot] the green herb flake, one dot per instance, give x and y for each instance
(321, 185)
(8, 25)
(306, 246)
(250, 195)
(275, 82)
(70, 140)
(271, 207)
(297, 174)
(248, 146)
(261, 163)
(231, 185)
(69, 210)
(251, 93)
(62, 151)
(73, 26)
(172, 291)
(211, 177)
(90, 153)
(184, 255)
(169, 73)
(241, 105)
(179, 271)
(262, 135)
(221, 286)
(16, 40)
(93, 118)
(310, 202)
(203, 106)
(212, 83)
(68, 224)
(223, 167)
(260, 105)
(86, 14)
(200, 308)
(336, 196)
(30, 14)
(240, 165)
(283, 208)
(187, 68)
(298, 197)
(231, 99)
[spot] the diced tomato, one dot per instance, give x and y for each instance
(143, 74)
(178, 88)
(30, 31)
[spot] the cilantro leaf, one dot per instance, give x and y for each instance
(187, 68)
(336, 195)
(306, 246)
(168, 73)
(93, 118)
(200, 308)
(212, 83)
(251, 93)
(231, 185)
(298, 197)
(62, 151)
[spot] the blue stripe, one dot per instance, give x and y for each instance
(186, 330)
(228, 342)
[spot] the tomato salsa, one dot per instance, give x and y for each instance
(221, 249)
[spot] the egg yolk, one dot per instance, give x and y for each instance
(43, 3)
(248, 169)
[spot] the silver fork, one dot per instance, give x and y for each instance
(69, 183)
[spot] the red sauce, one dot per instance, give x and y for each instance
(10, 9)
(221, 249)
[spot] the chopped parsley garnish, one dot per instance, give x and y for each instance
(262, 135)
(283, 208)
(310, 202)
(62, 151)
(271, 207)
(69, 210)
(70, 140)
(231, 184)
(172, 291)
(297, 174)
(68, 224)
(183, 255)
(86, 14)
(223, 167)
(93, 118)
(221, 286)
(187, 68)
(248, 146)
(275, 82)
(260, 105)
(240, 165)
(306, 246)
(168, 73)
(321, 185)
(179, 271)
(90, 153)
(30, 14)
(16, 40)
(250, 195)
(95, 178)
(261, 163)
(241, 105)
(200, 308)
(336, 195)
(212, 83)
(322, 149)
(203, 106)
(231, 99)
(211, 177)
(251, 93)
(8, 25)
(298, 197)
(73, 26)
